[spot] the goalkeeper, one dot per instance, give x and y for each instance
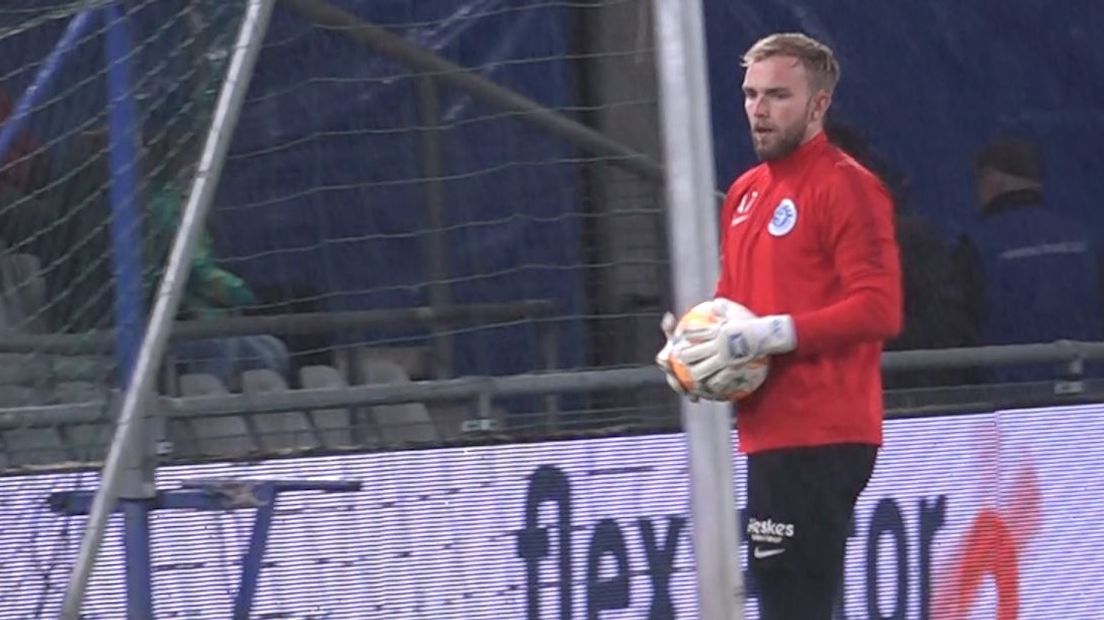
(808, 246)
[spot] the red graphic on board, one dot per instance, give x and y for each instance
(992, 548)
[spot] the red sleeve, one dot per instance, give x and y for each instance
(857, 229)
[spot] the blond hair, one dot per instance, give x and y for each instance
(819, 60)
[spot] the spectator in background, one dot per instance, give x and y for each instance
(71, 236)
(66, 225)
(935, 304)
(1034, 273)
(212, 290)
(53, 205)
(24, 167)
(24, 170)
(68, 228)
(34, 221)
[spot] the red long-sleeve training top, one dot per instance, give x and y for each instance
(811, 235)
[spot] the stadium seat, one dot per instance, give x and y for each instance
(23, 369)
(334, 426)
(80, 392)
(29, 446)
(414, 361)
(17, 396)
(408, 422)
(210, 436)
(277, 432)
(87, 442)
(22, 293)
(95, 368)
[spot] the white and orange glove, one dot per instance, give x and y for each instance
(667, 325)
(734, 342)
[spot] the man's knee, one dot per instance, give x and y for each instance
(265, 351)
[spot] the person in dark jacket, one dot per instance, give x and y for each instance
(937, 314)
(1033, 271)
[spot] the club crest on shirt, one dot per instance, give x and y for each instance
(784, 218)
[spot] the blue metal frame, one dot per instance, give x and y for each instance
(126, 237)
(213, 494)
(136, 545)
(254, 556)
(124, 134)
(126, 222)
(16, 123)
(123, 130)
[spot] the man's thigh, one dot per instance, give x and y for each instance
(800, 505)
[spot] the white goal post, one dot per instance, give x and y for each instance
(692, 235)
(124, 444)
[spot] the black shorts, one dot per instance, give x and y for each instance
(800, 505)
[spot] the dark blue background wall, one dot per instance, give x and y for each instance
(929, 82)
(338, 204)
(322, 196)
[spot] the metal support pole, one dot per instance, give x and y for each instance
(692, 226)
(254, 556)
(126, 219)
(246, 49)
(412, 55)
(136, 544)
(217, 495)
(547, 345)
(78, 26)
(436, 242)
(137, 485)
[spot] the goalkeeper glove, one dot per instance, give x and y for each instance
(735, 342)
(663, 358)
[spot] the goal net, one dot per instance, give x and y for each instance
(103, 107)
(409, 194)
(414, 191)
(103, 110)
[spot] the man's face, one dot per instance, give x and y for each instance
(783, 110)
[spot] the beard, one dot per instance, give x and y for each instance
(781, 141)
(778, 143)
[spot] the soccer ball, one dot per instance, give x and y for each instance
(728, 384)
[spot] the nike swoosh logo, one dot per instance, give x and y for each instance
(767, 553)
(739, 219)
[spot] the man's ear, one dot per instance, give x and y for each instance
(822, 100)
